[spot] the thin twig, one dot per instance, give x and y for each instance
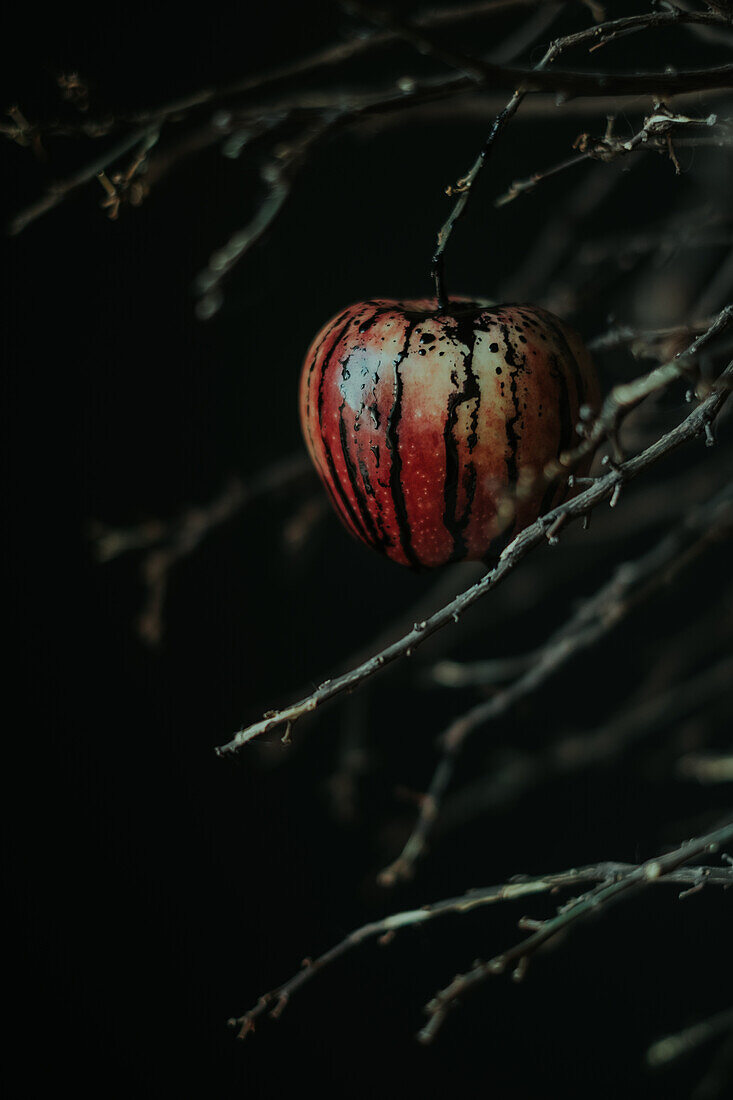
(655, 135)
(580, 909)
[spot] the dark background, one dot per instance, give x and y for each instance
(158, 889)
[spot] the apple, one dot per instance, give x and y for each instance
(428, 426)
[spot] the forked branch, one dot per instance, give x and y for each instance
(615, 880)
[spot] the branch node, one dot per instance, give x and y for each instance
(520, 969)
(280, 1007)
(529, 924)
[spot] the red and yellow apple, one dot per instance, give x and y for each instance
(423, 422)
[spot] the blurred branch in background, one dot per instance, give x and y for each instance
(682, 1043)
(516, 772)
(164, 543)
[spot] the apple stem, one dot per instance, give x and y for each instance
(462, 189)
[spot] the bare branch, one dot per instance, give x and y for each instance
(666, 869)
(695, 424)
(576, 911)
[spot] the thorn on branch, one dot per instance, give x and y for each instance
(691, 890)
(552, 531)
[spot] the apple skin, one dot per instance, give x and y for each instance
(422, 422)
